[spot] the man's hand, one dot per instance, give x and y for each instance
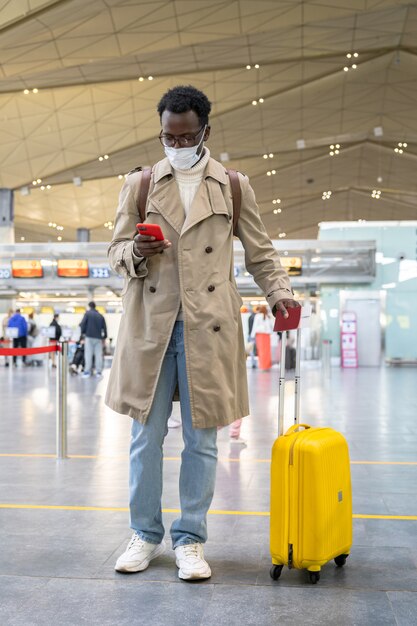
(147, 246)
(282, 305)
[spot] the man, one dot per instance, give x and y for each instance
(56, 336)
(18, 321)
(182, 326)
(93, 326)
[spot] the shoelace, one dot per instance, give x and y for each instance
(136, 542)
(191, 549)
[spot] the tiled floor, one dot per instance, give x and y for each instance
(57, 564)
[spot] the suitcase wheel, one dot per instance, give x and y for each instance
(275, 571)
(314, 577)
(341, 560)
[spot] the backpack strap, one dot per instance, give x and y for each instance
(143, 192)
(236, 196)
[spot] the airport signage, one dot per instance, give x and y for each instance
(27, 269)
(72, 268)
(5, 272)
(293, 264)
(99, 272)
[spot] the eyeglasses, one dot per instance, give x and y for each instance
(182, 140)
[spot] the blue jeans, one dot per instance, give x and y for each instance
(94, 347)
(198, 459)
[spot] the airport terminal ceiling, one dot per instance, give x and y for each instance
(288, 80)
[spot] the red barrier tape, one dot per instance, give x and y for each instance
(27, 351)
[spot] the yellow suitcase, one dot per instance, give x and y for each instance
(311, 498)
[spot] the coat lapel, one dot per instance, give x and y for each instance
(210, 196)
(166, 199)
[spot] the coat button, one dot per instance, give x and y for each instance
(216, 328)
(211, 288)
(209, 249)
(152, 289)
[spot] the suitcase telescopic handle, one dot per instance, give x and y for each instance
(282, 381)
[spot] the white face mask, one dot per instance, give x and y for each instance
(184, 158)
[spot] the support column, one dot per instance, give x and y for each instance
(83, 234)
(6, 216)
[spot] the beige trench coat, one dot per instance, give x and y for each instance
(197, 272)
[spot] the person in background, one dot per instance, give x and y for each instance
(58, 332)
(93, 327)
(5, 323)
(33, 330)
(18, 321)
(262, 328)
(251, 340)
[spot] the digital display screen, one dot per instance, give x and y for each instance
(27, 269)
(72, 268)
(293, 265)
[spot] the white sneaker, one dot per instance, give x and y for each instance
(173, 423)
(138, 555)
(190, 562)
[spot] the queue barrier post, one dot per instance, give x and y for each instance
(61, 401)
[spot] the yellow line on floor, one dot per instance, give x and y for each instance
(59, 507)
(178, 458)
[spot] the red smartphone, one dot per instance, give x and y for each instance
(289, 323)
(151, 230)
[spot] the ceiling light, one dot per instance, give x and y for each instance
(106, 156)
(100, 158)
(39, 180)
(345, 69)
(378, 131)
(150, 77)
(78, 181)
(22, 238)
(248, 67)
(348, 55)
(265, 156)
(376, 193)
(356, 54)
(354, 66)
(34, 182)
(276, 201)
(141, 79)
(261, 100)
(59, 238)
(254, 102)
(271, 156)
(26, 91)
(301, 144)
(48, 186)
(42, 187)
(257, 66)
(35, 90)
(120, 176)
(24, 191)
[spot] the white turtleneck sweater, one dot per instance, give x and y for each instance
(188, 182)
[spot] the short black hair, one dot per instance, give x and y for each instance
(92, 305)
(185, 98)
